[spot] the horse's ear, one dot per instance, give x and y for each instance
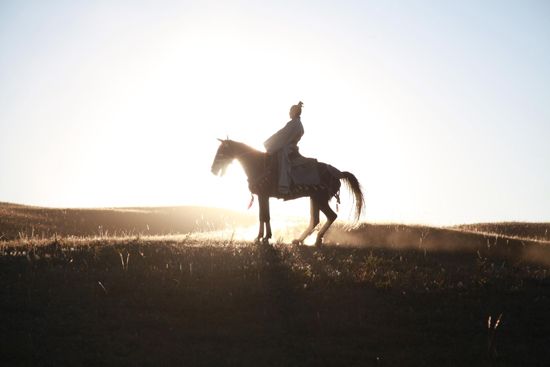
(221, 140)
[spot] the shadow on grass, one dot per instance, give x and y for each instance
(136, 302)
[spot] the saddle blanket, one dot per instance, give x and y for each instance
(304, 171)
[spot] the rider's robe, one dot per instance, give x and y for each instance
(282, 143)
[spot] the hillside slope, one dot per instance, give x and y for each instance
(533, 231)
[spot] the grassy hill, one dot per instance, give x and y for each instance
(376, 295)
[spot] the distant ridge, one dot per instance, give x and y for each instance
(17, 220)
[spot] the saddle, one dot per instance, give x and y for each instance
(307, 175)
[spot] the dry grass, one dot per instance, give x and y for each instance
(375, 295)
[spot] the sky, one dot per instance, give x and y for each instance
(440, 108)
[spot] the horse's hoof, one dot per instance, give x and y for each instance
(265, 241)
(297, 242)
(319, 242)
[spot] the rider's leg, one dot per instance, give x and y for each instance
(284, 167)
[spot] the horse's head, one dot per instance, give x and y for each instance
(224, 156)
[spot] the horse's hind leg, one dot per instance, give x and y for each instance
(331, 217)
(314, 220)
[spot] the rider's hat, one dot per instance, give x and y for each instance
(296, 109)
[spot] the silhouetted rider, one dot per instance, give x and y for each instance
(285, 142)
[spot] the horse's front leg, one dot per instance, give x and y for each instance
(264, 219)
(260, 217)
(267, 220)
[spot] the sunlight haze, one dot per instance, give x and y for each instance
(439, 108)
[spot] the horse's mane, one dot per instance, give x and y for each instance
(244, 147)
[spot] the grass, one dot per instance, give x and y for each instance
(385, 295)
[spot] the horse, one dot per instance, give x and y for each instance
(261, 169)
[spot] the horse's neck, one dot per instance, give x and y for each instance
(250, 158)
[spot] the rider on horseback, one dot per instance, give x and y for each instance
(308, 178)
(284, 143)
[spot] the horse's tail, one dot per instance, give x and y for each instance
(353, 185)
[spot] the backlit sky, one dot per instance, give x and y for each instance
(440, 108)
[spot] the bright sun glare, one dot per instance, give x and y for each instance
(151, 102)
(151, 136)
(120, 104)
